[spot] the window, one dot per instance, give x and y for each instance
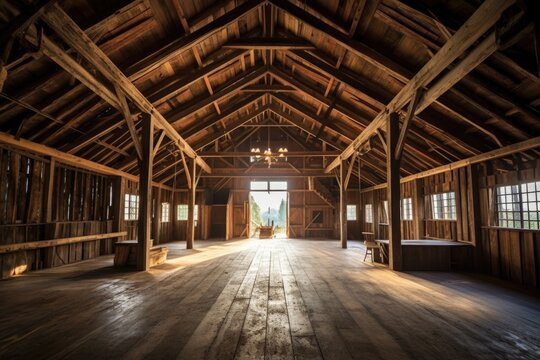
(443, 206)
(518, 206)
(406, 209)
(165, 212)
(182, 212)
(351, 212)
(268, 185)
(369, 214)
(385, 206)
(131, 207)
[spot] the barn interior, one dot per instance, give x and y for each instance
(259, 179)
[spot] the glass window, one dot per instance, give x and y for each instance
(518, 206)
(385, 207)
(131, 207)
(165, 212)
(369, 214)
(406, 209)
(259, 185)
(351, 212)
(278, 185)
(182, 212)
(443, 206)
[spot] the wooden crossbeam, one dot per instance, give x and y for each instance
(70, 32)
(406, 122)
(483, 19)
(268, 43)
(69, 159)
(124, 108)
(490, 155)
(172, 50)
(288, 154)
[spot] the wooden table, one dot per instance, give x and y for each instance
(432, 255)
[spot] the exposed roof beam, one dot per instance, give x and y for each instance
(288, 154)
(268, 44)
(68, 159)
(70, 32)
(172, 50)
(490, 155)
(483, 19)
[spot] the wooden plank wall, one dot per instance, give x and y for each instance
(80, 205)
(510, 254)
(179, 227)
(507, 253)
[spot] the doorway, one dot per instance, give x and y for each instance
(269, 206)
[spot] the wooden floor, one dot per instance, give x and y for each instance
(255, 299)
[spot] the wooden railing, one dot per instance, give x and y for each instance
(321, 190)
(55, 242)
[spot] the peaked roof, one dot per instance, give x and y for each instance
(78, 77)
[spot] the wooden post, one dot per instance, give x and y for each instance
(393, 193)
(118, 203)
(157, 217)
(343, 204)
(418, 208)
(49, 189)
(474, 204)
(145, 193)
(190, 229)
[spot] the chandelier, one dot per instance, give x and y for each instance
(267, 156)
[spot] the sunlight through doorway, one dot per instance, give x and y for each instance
(268, 202)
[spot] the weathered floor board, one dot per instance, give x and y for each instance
(263, 299)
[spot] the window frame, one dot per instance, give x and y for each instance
(165, 212)
(521, 201)
(348, 207)
(407, 209)
(186, 207)
(368, 213)
(131, 207)
(442, 209)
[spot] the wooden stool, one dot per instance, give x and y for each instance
(370, 244)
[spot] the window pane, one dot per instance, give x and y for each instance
(351, 212)
(259, 185)
(278, 185)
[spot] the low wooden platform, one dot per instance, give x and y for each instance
(432, 255)
(125, 253)
(255, 299)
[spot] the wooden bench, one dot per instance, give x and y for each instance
(125, 253)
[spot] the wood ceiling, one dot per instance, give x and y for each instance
(213, 69)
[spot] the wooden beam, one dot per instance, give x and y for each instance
(482, 19)
(186, 170)
(350, 169)
(490, 155)
(288, 154)
(144, 224)
(48, 191)
(190, 228)
(393, 193)
(174, 49)
(267, 43)
(124, 109)
(418, 202)
(68, 159)
(158, 142)
(256, 88)
(71, 66)
(33, 245)
(406, 122)
(70, 32)
(343, 204)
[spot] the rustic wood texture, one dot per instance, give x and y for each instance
(264, 299)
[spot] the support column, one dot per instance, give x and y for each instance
(418, 209)
(50, 227)
(157, 217)
(145, 193)
(393, 193)
(190, 231)
(343, 203)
